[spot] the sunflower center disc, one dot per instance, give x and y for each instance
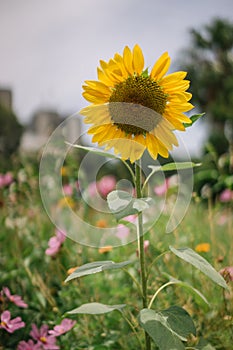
(137, 104)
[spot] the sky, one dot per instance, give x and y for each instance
(48, 48)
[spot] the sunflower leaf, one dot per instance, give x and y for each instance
(198, 296)
(95, 151)
(95, 267)
(188, 255)
(122, 204)
(193, 119)
(96, 309)
(171, 167)
(168, 328)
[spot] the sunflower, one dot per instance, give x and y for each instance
(133, 110)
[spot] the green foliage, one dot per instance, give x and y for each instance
(123, 204)
(168, 328)
(210, 69)
(200, 263)
(39, 279)
(10, 133)
(95, 267)
(96, 309)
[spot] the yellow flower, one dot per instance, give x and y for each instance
(203, 248)
(64, 171)
(106, 249)
(66, 202)
(132, 110)
(101, 223)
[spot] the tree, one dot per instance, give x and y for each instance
(209, 62)
(10, 133)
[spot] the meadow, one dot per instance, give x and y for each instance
(35, 267)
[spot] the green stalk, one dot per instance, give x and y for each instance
(141, 252)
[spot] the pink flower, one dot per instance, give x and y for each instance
(68, 190)
(30, 345)
(106, 185)
(227, 273)
(5, 179)
(92, 189)
(169, 182)
(226, 196)
(146, 246)
(64, 327)
(16, 299)
(47, 341)
(161, 189)
(10, 325)
(122, 232)
(55, 243)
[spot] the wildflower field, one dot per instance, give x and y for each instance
(36, 258)
(123, 249)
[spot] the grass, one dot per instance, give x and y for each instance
(39, 279)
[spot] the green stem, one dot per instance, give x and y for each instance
(134, 280)
(132, 327)
(141, 252)
(158, 291)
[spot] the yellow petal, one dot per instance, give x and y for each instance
(160, 68)
(119, 59)
(162, 150)
(138, 59)
(96, 129)
(170, 87)
(173, 78)
(152, 145)
(177, 116)
(162, 136)
(92, 97)
(128, 60)
(104, 78)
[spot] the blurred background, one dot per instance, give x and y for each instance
(49, 48)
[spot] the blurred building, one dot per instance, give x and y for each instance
(42, 125)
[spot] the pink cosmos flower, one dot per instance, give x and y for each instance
(92, 189)
(169, 182)
(55, 243)
(106, 185)
(68, 190)
(122, 232)
(5, 179)
(64, 327)
(30, 345)
(10, 325)
(16, 299)
(48, 342)
(226, 196)
(146, 246)
(161, 189)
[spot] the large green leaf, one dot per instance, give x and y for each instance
(198, 296)
(173, 166)
(96, 309)
(200, 263)
(95, 151)
(95, 267)
(122, 204)
(168, 328)
(193, 119)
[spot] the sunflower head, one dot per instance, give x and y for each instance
(132, 110)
